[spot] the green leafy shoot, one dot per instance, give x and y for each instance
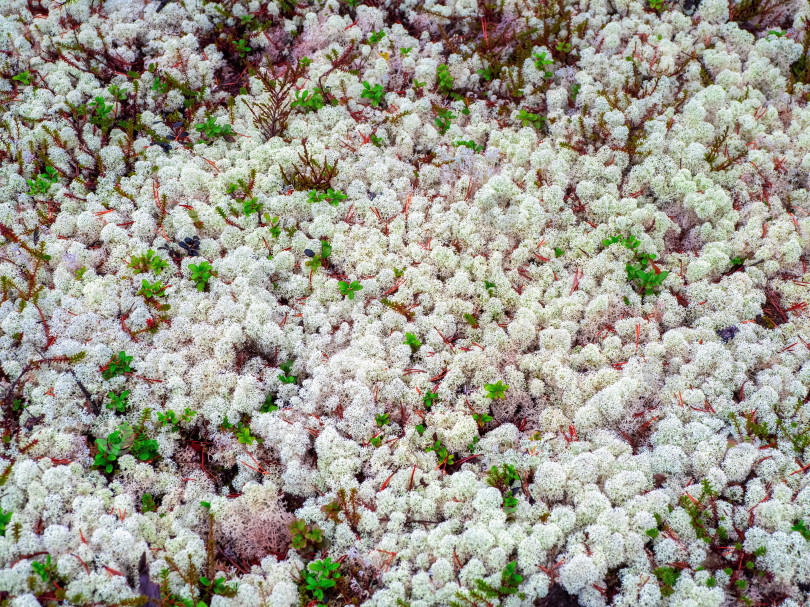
(273, 224)
(441, 453)
(149, 261)
(412, 341)
(242, 48)
(43, 182)
(469, 144)
(529, 119)
(200, 274)
(541, 62)
(250, 206)
(148, 503)
(321, 576)
(405, 51)
(802, 529)
(308, 102)
(443, 119)
(373, 94)
(471, 320)
(481, 419)
(269, 405)
(152, 290)
(331, 196)
(375, 37)
(5, 518)
(444, 79)
(44, 570)
(349, 289)
(429, 397)
(563, 47)
(667, 576)
(118, 402)
(496, 390)
(285, 377)
(210, 129)
(24, 77)
(118, 365)
(218, 586)
(244, 437)
(381, 419)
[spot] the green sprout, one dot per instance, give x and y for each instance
(377, 440)
(269, 405)
(5, 518)
(117, 92)
(250, 206)
(469, 144)
(471, 320)
(509, 504)
(331, 196)
(441, 453)
(417, 84)
(656, 5)
(211, 129)
(541, 62)
(275, 228)
(667, 576)
(24, 77)
(201, 274)
(381, 419)
(405, 51)
(244, 437)
(375, 37)
(481, 419)
(152, 290)
(118, 402)
(802, 529)
(322, 576)
(44, 570)
(242, 48)
(43, 182)
(558, 252)
(443, 119)
(148, 503)
(118, 365)
(347, 289)
(496, 390)
(285, 377)
(218, 586)
(412, 341)
(563, 47)
(428, 398)
(527, 118)
(374, 94)
(376, 140)
(444, 79)
(147, 262)
(308, 102)
(777, 33)
(110, 448)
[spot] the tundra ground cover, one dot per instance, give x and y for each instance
(404, 304)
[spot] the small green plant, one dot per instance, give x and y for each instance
(349, 289)
(558, 252)
(117, 92)
(218, 586)
(529, 119)
(471, 320)
(381, 419)
(170, 418)
(469, 144)
(118, 402)
(269, 405)
(308, 102)
(481, 419)
(377, 440)
(331, 196)
(496, 390)
(563, 47)
(656, 5)
(210, 129)
(200, 274)
(152, 290)
(118, 365)
(143, 448)
(444, 79)
(412, 341)
(667, 576)
(101, 111)
(777, 33)
(244, 437)
(489, 286)
(574, 92)
(541, 62)
(43, 182)
(5, 518)
(417, 84)
(502, 478)
(285, 377)
(405, 51)
(305, 61)
(442, 454)
(250, 206)
(80, 272)
(646, 280)
(472, 446)
(24, 77)
(112, 447)
(509, 504)
(487, 73)
(428, 398)
(44, 570)
(149, 261)
(148, 503)
(399, 273)
(443, 120)
(373, 94)
(318, 259)
(420, 429)
(377, 141)
(802, 529)
(321, 576)
(273, 224)
(242, 47)
(375, 37)
(510, 584)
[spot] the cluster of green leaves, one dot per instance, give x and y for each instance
(374, 94)
(304, 537)
(375, 37)
(308, 102)
(148, 503)
(118, 402)
(318, 259)
(481, 419)
(43, 182)
(149, 261)
(442, 454)
(469, 144)
(428, 398)
(210, 129)
(242, 47)
(647, 281)
(269, 405)
(331, 196)
(118, 365)
(667, 577)
(46, 570)
(529, 119)
(540, 62)
(321, 576)
(349, 289)
(443, 79)
(24, 77)
(443, 119)
(412, 341)
(201, 273)
(510, 585)
(800, 527)
(381, 419)
(5, 518)
(496, 390)
(285, 377)
(170, 418)
(471, 320)
(218, 586)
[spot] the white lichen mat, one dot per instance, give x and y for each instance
(382, 303)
